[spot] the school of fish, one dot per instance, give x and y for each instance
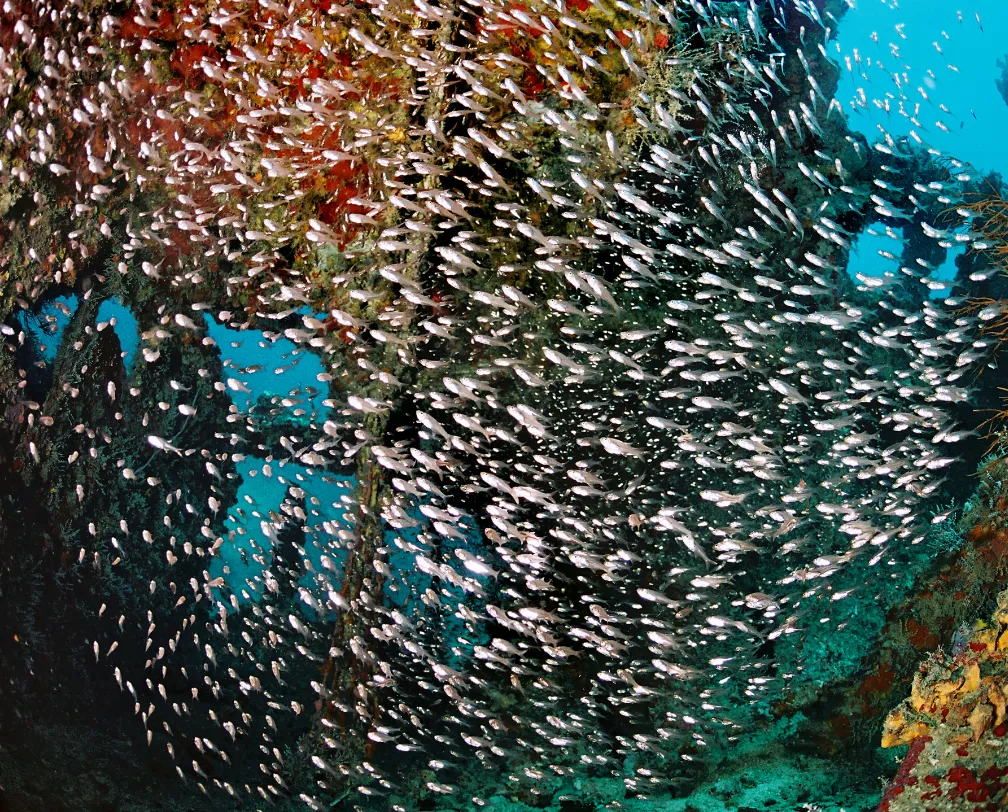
(619, 429)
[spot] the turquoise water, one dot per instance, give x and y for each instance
(270, 366)
(279, 368)
(48, 326)
(251, 529)
(876, 251)
(977, 117)
(916, 57)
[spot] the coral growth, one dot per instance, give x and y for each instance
(955, 722)
(544, 327)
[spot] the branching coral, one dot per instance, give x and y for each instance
(990, 225)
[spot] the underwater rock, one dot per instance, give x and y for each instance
(966, 556)
(64, 765)
(955, 722)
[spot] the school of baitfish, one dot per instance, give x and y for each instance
(620, 428)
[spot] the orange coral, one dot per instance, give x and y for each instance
(964, 695)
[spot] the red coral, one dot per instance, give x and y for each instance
(919, 636)
(903, 774)
(187, 59)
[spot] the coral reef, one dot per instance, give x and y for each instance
(955, 723)
(638, 469)
(954, 719)
(77, 764)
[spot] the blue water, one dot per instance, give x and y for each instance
(288, 371)
(48, 326)
(122, 320)
(978, 116)
(276, 367)
(870, 257)
(916, 79)
(946, 272)
(865, 256)
(249, 528)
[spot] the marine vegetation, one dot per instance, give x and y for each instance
(504, 425)
(989, 221)
(953, 721)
